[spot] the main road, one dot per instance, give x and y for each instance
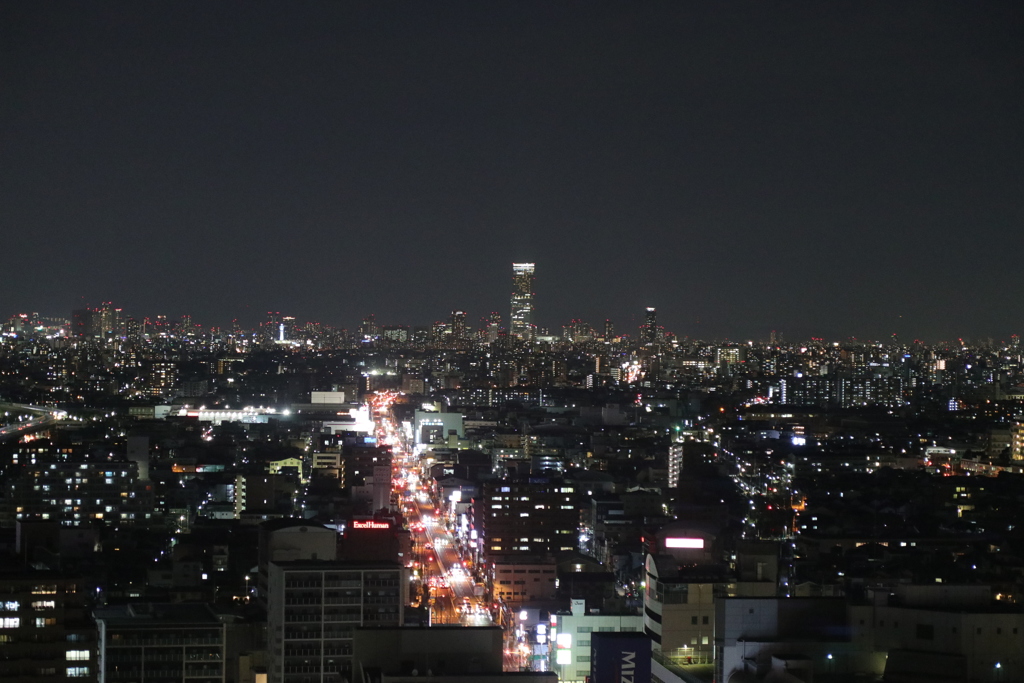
(455, 597)
(452, 587)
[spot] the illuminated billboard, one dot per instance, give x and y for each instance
(690, 543)
(369, 524)
(620, 658)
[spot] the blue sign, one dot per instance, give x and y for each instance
(620, 658)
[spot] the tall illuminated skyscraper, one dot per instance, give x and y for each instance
(521, 325)
(649, 330)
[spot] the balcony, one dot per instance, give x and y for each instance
(302, 635)
(203, 657)
(303, 669)
(302, 600)
(342, 601)
(292, 618)
(193, 672)
(337, 635)
(156, 642)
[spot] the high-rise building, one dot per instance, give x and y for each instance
(110, 321)
(459, 333)
(521, 325)
(649, 330)
(493, 329)
(135, 330)
(271, 327)
(395, 334)
(82, 323)
(577, 332)
(286, 329)
(105, 322)
(369, 330)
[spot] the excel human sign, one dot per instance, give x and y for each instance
(369, 524)
(620, 658)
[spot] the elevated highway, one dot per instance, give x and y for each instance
(39, 418)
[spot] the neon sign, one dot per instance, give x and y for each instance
(368, 524)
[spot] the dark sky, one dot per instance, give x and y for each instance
(825, 169)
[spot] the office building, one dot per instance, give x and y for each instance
(160, 642)
(459, 333)
(313, 608)
(516, 579)
(571, 634)
(649, 330)
(291, 540)
(534, 516)
(521, 324)
(493, 327)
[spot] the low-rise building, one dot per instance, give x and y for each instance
(570, 636)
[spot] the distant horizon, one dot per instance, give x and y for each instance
(742, 167)
(553, 330)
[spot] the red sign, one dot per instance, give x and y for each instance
(368, 524)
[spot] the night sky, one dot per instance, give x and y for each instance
(825, 169)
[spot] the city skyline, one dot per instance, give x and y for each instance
(349, 342)
(482, 330)
(850, 172)
(635, 327)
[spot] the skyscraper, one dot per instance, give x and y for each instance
(271, 328)
(521, 325)
(649, 330)
(105, 322)
(493, 328)
(459, 333)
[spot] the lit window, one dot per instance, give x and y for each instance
(78, 671)
(78, 655)
(10, 622)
